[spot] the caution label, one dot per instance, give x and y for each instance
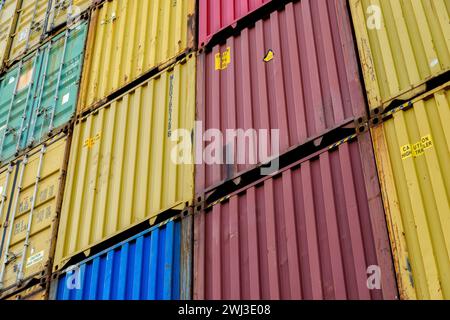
(416, 149)
(35, 258)
(90, 142)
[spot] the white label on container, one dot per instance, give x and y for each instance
(434, 63)
(11, 80)
(65, 98)
(36, 258)
(23, 35)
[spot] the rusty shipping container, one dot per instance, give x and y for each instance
(218, 14)
(37, 19)
(413, 156)
(316, 230)
(295, 71)
(35, 293)
(129, 38)
(402, 44)
(29, 208)
(121, 171)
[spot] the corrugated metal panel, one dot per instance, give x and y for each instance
(35, 293)
(309, 232)
(160, 31)
(34, 18)
(62, 12)
(120, 171)
(301, 80)
(218, 14)
(401, 44)
(146, 267)
(413, 155)
(8, 19)
(31, 195)
(40, 93)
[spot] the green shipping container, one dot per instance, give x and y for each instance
(39, 94)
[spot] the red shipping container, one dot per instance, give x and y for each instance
(295, 71)
(316, 230)
(214, 15)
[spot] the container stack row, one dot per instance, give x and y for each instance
(404, 49)
(224, 149)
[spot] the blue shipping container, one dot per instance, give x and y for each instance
(145, 267)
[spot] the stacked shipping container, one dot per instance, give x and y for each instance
(42, 49)
(347, 213)
(405, 51)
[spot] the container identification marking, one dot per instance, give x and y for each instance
(223, 59)
(417, 149)
(36, 258)
(90, 142)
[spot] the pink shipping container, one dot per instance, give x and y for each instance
(314, 231)
(295, 71)
(214, 15)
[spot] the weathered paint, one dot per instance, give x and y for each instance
(413, 156)
(145, 267)
(120, 170)
(295, 71)
(402, 44)
(8, 20)
(128, 38)
(35, 293)
(30, 191)
(40, 93)
(311, 231)
(217, 14)
(38, 18)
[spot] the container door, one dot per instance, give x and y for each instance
(8, 19)
(65, 11)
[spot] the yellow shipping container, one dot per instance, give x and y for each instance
(31, 192)
(120, 170)
(8, 19)
(413, 156)
(36, 18)
(128, 38)
(402, 44)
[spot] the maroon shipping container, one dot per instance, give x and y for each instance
(214, 15)
(295, 71)
(310, 232)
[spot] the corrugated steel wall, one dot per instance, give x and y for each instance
(8, 19)
(218, 14)
(35, 18)
(310, 232)
(146, 267)
(401, 44)
(296, 71)
(39, 94)
(120, 172)
(30, 194)
(413, 154)
(129, 38)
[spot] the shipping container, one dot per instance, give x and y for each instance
(39, 95)
(30, 203)
(402, 44)
(121, 171)
(295, 71)
(219, 14)
(413, 156)
(8, 19)
(145, 267)
(35, 293)
(316, 230)
(37, 18)
(130, 38)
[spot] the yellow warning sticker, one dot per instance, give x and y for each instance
(269, 56)
(223, 59)
(406, 151)
(417, 149)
